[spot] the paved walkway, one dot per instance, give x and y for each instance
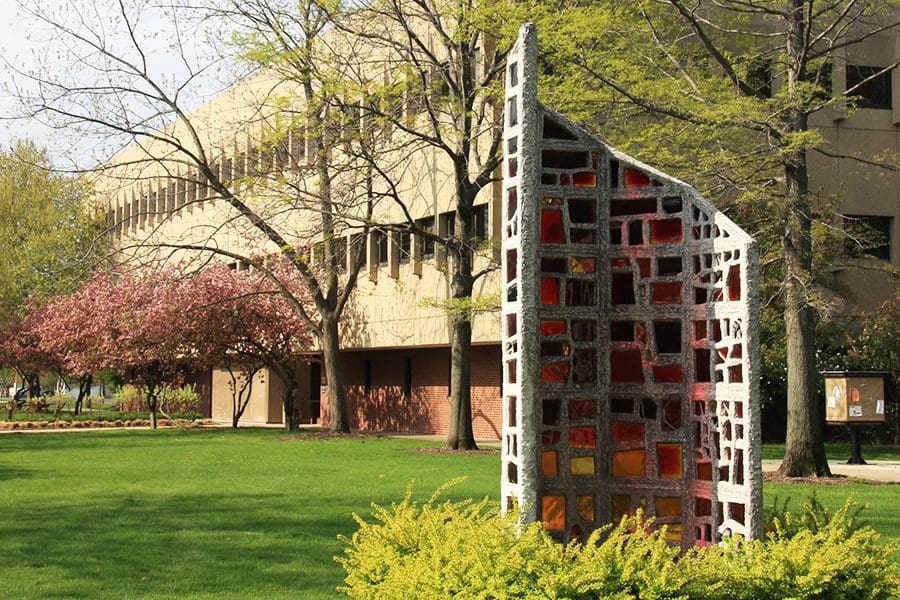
(876, 470)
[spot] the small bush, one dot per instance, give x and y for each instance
(468, 550)
(171, 400)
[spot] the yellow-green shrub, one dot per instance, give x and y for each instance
(466, 549)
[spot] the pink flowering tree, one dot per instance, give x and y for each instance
(256, 326)
(129, 324)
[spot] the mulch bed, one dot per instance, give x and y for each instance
(774, 477)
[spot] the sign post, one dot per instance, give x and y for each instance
(855, 398)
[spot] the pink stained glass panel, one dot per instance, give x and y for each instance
(582, 437)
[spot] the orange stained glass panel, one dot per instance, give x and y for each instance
(584, 179)
(585, 506)
(666, 231)
(553, 327)
(553, 512)
(670, 466)
(582, 264)
(552, 201)
(552, 227)
(635, 178)
(582, 437)
(624, 431)
(549, 463)
(582, 465)
(550, 291)
(555, 372)
(621, 504)
(629, 463)
(668, 506)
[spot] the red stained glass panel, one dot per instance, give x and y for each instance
(626, 431)
(581, 409)
(552, 227)
(585, 179)
(668, 374)
(666, 293)
(626, 366)
(555, 372)
(549, 437)
(670, 461)
(635, 178)
(549, 291)
(553, 327)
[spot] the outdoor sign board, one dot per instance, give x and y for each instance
(854, 397)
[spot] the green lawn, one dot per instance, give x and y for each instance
(221, 514)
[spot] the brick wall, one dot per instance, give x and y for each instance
(426, 409)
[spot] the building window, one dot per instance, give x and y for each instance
(339, 254)
(404, 242)
(426, 245)
(871, 87)
(480, 222)
(868, 236)
(383, 255)
(407, 376)
(447, 224)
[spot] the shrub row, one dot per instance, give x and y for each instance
(89, 423)
(468, 550)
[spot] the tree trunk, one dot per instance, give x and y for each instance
(289, 401)
(331, 358)
(84, 388)
(804, 453)
(460, 435)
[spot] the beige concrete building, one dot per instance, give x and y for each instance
(394, 336)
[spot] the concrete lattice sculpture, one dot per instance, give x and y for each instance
(630, 337)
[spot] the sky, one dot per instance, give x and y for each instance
(17, 46)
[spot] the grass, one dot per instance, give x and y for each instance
(222, 514)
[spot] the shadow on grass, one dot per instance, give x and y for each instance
(166, 546)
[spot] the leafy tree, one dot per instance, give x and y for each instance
(48, 241)
(443, 98)
(114, 54)
(687, 85)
